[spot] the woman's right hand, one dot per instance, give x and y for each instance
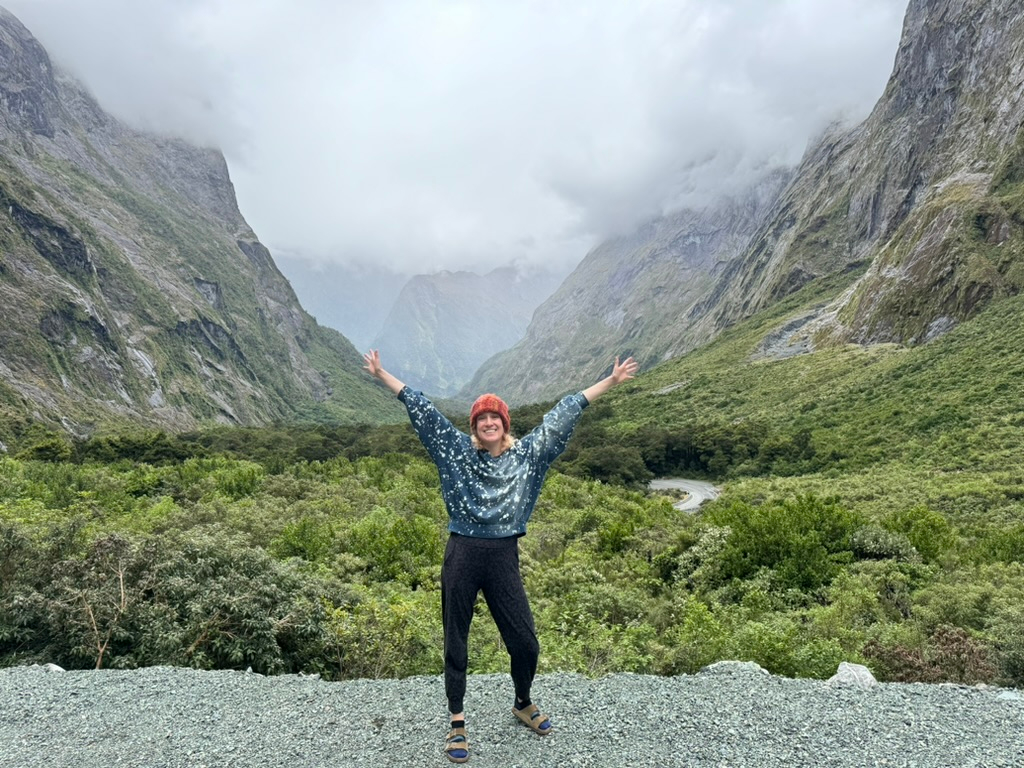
(371, 362)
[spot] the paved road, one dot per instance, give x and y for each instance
(697, 491)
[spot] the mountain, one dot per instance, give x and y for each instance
(354, 299)
(630, 295)
(916, 214)
(443, 326)
(133, 291)
(924, 197)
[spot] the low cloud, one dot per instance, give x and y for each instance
(445, 134)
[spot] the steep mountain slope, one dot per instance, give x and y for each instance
(132, 289)
(630, 295)
(947, 407)
(920, 209)
(443, 326)
(926, 192)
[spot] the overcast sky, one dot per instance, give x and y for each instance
(430, 134)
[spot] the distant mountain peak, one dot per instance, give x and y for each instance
(444, 325)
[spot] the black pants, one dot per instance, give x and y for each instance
(473, 565)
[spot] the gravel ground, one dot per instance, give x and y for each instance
(729, 715)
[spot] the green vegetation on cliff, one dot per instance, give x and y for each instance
(872, 511)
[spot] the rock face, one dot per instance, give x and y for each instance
(443, 326)
(132, 288)
(631, 295)
(926, 193)
(918, 213)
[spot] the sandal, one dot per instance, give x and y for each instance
(533, 719)
(456, 745)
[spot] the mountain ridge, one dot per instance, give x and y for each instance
(627, 297)
(901, 192)
(134, 290)
(442, 326)
(919, 209)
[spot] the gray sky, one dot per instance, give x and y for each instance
(431, 134)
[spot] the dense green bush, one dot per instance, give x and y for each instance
(804, 541)
(389, 632)
(400, 548)
(332, 567)
(619, 464)
(929, 532)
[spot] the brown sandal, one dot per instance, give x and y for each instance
(531, 717)
(456, 745)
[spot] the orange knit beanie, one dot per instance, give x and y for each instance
(493, 403)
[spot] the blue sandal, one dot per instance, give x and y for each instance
(533, 719)
(456, 745)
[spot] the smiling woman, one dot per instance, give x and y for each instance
(489, 425)
(490, 484)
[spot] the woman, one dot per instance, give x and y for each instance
(490, 483)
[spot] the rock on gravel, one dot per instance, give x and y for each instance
(729, 715)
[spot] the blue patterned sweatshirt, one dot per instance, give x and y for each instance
(491, 497)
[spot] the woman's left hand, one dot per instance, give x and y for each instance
(625, 370)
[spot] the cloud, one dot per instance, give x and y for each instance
(141, 62)
(429, 134)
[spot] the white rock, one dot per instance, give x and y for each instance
(853, 674)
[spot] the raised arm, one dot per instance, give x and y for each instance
(621, 372)
(372, 364)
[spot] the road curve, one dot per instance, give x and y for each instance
(697, 491)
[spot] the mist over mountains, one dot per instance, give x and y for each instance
(443, 326)
(434, 330)
(917, 212)
(134, 289)
(352, 299)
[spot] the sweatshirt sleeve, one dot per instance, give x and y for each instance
(438, 435)
(552, 435)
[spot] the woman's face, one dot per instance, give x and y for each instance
(489, 429)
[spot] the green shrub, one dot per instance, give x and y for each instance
(1001, 544)
(819, 658)
(803, 540)
(98, 610)
(52, 449)
(310, 538)
(696, 640)
(928, 531)
(611, 463)
(231, 606)
(398, 548)
(873, 542)
(1007, 633)
(580, 643)
(387, 633)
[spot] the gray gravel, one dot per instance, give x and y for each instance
(729, 715)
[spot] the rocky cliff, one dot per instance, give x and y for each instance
(917, 214)
(132, 288)
(926, 193)
(631, 295)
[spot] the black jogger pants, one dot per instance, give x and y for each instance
(491, 566)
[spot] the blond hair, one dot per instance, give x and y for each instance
(507, 441)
